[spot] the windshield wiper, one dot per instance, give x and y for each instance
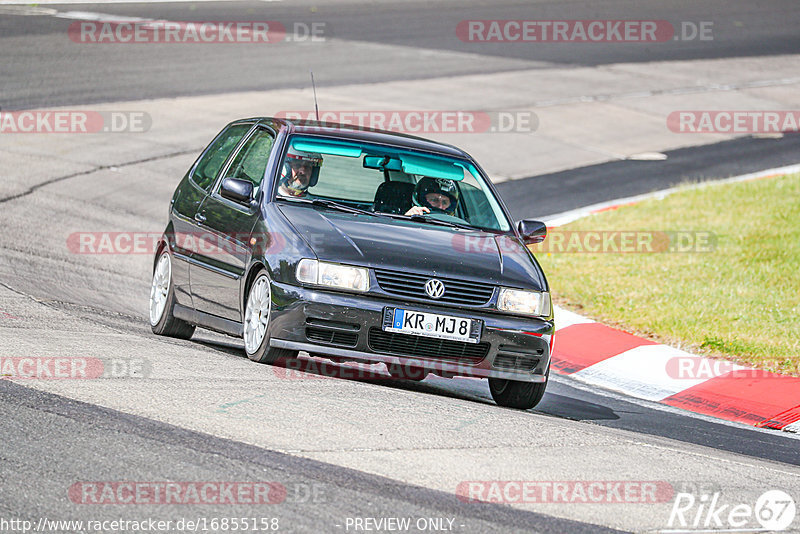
(431, 220)
(341, 207)
(350, 209)
(328, 204)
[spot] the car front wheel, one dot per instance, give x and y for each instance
(519, 395)
(256, 324)
(162, 302)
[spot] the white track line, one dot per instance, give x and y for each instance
(99, 17)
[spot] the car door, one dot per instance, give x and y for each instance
(224, 247)
(186, 202)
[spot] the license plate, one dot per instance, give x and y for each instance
(432, 325)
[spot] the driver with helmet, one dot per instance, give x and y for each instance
(300, 171)
(438, 195)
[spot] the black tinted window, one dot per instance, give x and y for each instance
(218, 151)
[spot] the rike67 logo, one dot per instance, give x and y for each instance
(773, 511)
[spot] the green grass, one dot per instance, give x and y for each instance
(739, 299)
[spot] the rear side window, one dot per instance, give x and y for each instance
(217, 153)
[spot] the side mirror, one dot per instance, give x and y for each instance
(531, 231)
(240, 191)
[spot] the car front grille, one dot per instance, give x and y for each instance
(425, 347)
(456, 291)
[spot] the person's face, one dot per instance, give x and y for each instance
(301, 172)
(438, 200)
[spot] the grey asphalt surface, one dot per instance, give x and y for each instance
(51, 441)
(40, 66)
(566, 399)
(574, 188)
(79, 442)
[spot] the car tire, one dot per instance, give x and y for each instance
(256, 322)
(162, 302)
(515, 394)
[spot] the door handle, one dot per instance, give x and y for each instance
(199, 217)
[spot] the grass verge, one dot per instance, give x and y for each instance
(713, 270)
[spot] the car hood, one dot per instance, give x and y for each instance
(403, 245)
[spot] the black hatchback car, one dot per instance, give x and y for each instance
(355, 245)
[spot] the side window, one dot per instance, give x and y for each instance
(218, 151)
(251, 162)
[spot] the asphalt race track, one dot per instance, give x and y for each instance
(48, 74)
(348, 449)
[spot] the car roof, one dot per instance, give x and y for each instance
(364, 134)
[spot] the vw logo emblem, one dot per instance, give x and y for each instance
(434, 288)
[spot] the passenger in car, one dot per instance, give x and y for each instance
(434, 194)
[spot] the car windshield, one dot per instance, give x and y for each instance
(392, 181)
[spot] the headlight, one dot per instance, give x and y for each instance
(333, 275)
(525, 302)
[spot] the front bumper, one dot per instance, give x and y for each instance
(347, 326)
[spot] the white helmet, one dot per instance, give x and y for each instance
(294, 156)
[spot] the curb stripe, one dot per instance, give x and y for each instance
(600, 355)
(782, 420)
(750, 401)
(570, 354)
(610, 358)
(641, 372)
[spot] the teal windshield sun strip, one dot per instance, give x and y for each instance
(432, 167)
(348, 151)
(411, 164)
